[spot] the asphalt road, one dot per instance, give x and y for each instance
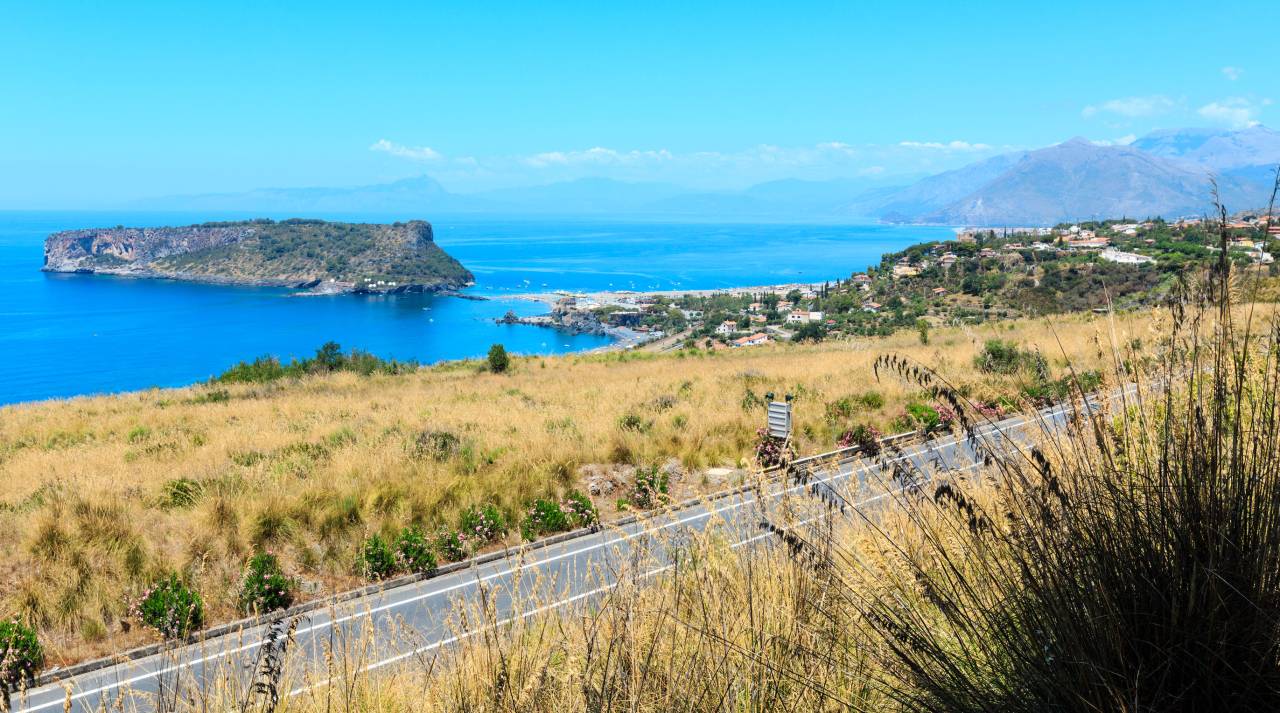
(416, 620)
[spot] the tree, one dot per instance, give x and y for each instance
(922, 326)
(498, 359)
(810, 332)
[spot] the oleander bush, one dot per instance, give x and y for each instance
(651, 487)
(482, 524)
(414, 553)
(377, 559)
(265, 587)
(21, 655)
(171, 608)
(544, 518)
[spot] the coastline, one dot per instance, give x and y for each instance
(605, 297)
(624, 338)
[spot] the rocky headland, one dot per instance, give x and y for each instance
(326, 257)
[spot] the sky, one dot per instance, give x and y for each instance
(102, 103)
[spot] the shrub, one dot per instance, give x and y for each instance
(452, 546)
(20, 654)
(498, 361)
(580, 510)
(651, 487)
(544, 518)
(871, 400)
(918, 416)
(771, 451)
(1001, 357)
(633, 422)
(865, 437)
(181, 492)
(481, 524)
(413, 552)
(265, 587)
(437, 445)
(377, 561)
(171, 608)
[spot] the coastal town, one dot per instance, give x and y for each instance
(980, 275)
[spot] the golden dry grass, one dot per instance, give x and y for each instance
(308, 469)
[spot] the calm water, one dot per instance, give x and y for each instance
(64, 335)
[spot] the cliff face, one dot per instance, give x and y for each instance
(361, 257)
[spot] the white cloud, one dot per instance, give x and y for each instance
(1232, 73)
(1236, 112)
(949, 146)
(596, 155)
(1122, 141)
(416, 153)
(837, 147)
(1132, 107)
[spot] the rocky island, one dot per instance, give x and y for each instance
(303, 254)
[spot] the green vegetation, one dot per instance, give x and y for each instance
(986, 276)
(413, 552)
(1002, 357)
(171, 608)
(328, 358)
(377, 559)
(265, 587)
(359, 253)
(498, 360)
(20, 655)
(547, 517)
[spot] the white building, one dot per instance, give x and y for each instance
(802, 316)
(1114, 255)
(726, 328)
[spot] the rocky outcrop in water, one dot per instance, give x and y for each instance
(305, 254)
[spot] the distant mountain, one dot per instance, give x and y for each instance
(416, 196)
(932, 193)
(1078, 179)
(788, 198)
(1216, 149)
(1165, 173)
(582, 196)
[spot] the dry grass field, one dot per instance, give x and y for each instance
(100, 496)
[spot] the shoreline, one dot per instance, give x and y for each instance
(625, 296)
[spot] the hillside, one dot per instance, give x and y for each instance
(99, 496)
(295, 253)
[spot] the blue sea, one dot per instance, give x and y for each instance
(67, 335)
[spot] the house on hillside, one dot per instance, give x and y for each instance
(752, 340)
(903, 268)
(801, 316)
(726, 328)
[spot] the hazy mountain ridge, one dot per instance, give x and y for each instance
(1165, 173)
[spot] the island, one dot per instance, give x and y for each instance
(299, 253)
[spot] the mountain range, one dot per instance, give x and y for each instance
(1165, 173)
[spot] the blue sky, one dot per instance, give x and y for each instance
(104, 102)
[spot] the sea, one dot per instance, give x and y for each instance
(69, 335)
